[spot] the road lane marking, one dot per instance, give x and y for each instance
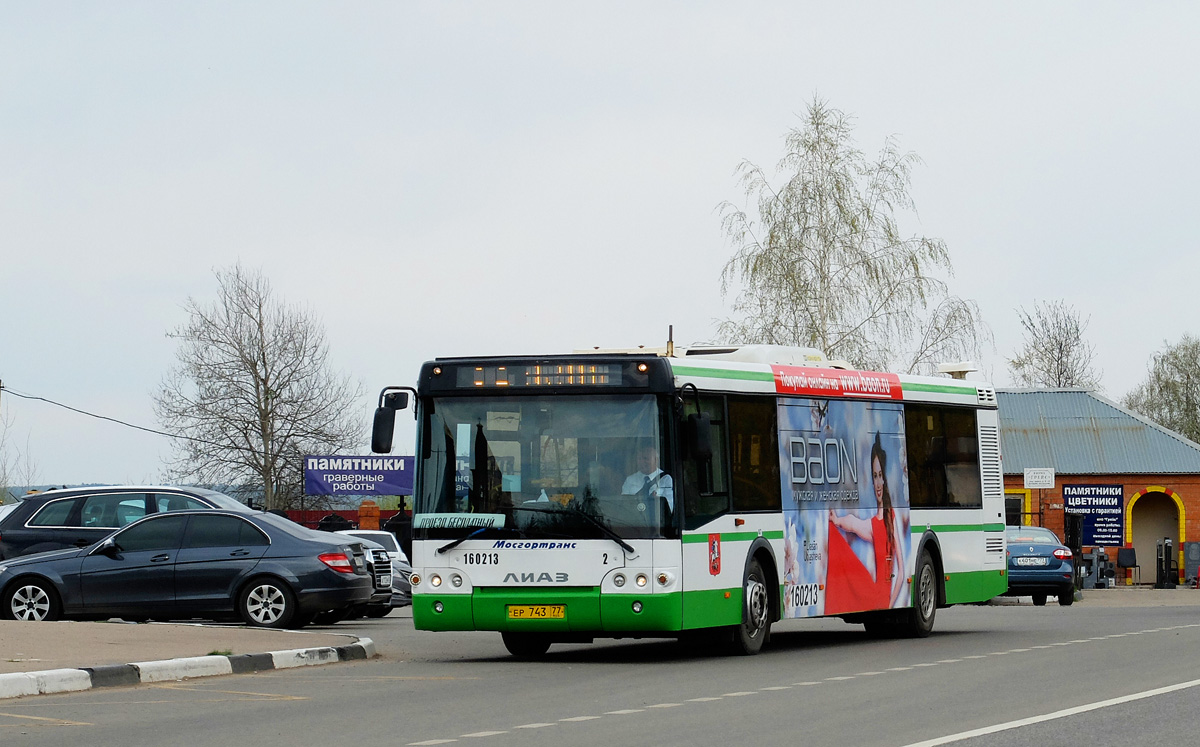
(43, 721)
(532, 726)
(702, 700)
(738, 695)
(624, 711)
(779, 687)
(1066, 712)
(243, 693)
(482, 734)
(432, 741)
(665, 705)
(580, 718)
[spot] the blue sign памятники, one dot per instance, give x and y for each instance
(1103, 511)
(356, 475)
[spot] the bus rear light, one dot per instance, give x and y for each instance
(1062, 553)
(337, 561)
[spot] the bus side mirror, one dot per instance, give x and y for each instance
(382, 430)
(698, 436)
(384, 426)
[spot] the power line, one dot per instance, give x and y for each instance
(104, 417)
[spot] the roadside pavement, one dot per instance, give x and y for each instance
(40, 658)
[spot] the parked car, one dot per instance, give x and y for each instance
(78, 517)
(1039, 565)
(213, 564)
(384, 545)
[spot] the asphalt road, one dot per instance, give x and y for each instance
(824, 682)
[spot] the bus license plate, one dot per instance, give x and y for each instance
(537, 611)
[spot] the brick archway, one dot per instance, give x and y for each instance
(1180, 510)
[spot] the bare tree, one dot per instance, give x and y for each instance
(824, 264)
(1054, 352)
(1170, 395)
(17, 468)
(252, 392)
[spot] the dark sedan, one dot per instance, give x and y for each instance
(78, 517)
(1039, 565)
(212, 564)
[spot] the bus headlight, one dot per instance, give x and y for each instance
(619, 580)
(456, 580)
(641, 579)
(435, 580)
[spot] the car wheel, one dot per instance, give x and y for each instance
(526, 645)
(1039, 600)
(33, 600)
(919, 621)
(749, 636)
(1067, 598)
(267, 603)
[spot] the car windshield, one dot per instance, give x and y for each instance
(533, 465)
(1033, 534)
(220, 500)
(379, 538)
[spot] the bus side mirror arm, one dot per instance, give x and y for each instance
(391, 399)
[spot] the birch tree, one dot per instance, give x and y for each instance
(252, 392)
(1170, 395)
(822, 261)
(1054, 352)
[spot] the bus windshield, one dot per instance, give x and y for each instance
(545, 467)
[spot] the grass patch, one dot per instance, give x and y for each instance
(221, 652)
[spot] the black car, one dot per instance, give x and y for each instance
(78, 517)
(213, 564)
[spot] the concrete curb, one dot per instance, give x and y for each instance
(116, 675)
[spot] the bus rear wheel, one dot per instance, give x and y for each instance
(749, 636)
(526, 645)
(919, 621)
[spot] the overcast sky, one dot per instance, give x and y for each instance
(441, 179)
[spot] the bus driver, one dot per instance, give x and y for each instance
(650, 478)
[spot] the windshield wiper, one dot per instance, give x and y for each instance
(628, 548)
(451, 545)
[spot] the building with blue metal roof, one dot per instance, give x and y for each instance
(1135, 482)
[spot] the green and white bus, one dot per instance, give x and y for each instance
(721, 489)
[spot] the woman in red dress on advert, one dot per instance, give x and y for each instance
(849, 585)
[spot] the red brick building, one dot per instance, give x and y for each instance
(1097, 448)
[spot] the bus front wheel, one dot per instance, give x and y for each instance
(526, 645)
(749, 636)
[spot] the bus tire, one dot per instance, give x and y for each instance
(919, 622)
(526, 645)
(750, 635)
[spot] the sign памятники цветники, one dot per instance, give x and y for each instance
(1103, 511)
(357, 475)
